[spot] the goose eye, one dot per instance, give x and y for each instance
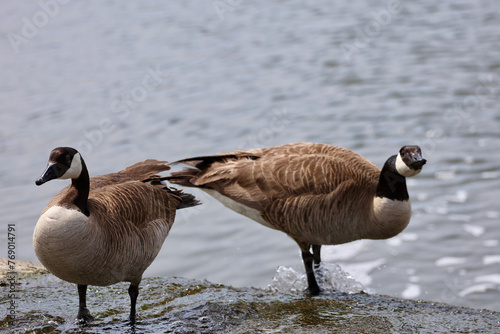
(407, 157)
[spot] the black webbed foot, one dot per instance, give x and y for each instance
(84, 316)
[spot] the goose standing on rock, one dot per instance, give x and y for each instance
(318, 194)
(106, 229)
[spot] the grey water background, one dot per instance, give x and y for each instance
(123, 82)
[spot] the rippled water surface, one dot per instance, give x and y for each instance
(123, 82)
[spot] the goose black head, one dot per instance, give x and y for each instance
(64, 163)
(409, 161)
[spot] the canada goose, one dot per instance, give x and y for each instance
(106, 229)
(317, 194)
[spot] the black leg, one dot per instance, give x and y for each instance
(83, 312)
(308, 259)
(317, 255)
(317, 261)
(133, 292)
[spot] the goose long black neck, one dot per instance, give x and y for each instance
(391, 184)
(82, 185)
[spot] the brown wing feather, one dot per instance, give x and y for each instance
(139, 171)
(145, 169)
(120, 203)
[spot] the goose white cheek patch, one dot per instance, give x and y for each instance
(75, 169)
(403, 169)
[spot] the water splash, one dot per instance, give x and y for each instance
(331, 278)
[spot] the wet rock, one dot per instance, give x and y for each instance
(177, 305)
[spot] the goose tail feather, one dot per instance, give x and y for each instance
(184, 177)
(187, 200)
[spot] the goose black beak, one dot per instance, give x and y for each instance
(48, 174)
(416, 161)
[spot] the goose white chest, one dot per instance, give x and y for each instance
(61, 240)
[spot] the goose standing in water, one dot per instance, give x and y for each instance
(106, 229)
(317, 194)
